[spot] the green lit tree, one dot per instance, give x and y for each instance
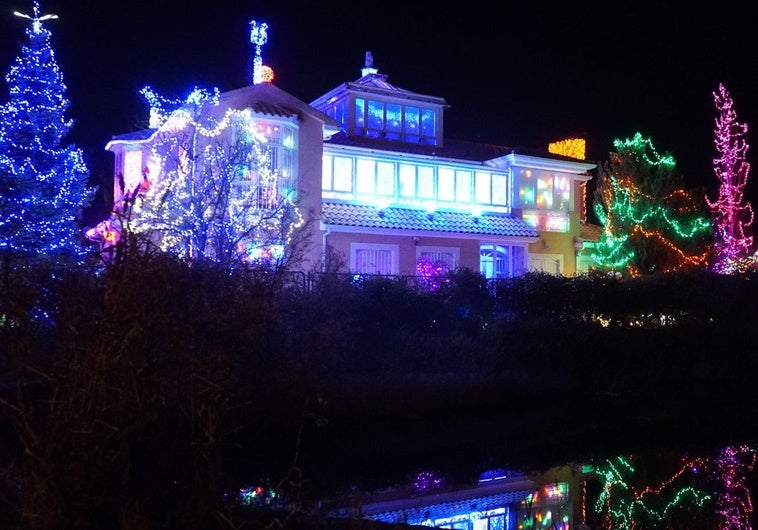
(43, 184)
(651, 224)
(632, 498)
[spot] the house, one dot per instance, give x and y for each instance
(369, 166)
(500, 499)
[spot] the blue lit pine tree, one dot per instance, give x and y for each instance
(43, 184)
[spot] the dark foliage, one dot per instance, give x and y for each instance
(157, 390)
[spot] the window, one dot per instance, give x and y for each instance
(367, 258)
(501, 261)
(428, 127)
(449, 256)
(544, 190)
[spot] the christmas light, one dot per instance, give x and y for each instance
(626, 508)
(572, 147)
(258, 36)
(214, 195)
(733, 502)
(649, 223)
(731, 214)
(43, 185)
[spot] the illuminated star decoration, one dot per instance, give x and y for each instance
(731, 214)
(258, 36)
(36, 19)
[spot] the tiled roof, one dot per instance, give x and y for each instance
(590, 232)
(421, 512)
(365, 216)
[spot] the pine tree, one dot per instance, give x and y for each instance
(732, 216)
(650, 223)
(43, 185)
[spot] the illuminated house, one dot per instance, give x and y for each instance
(369, 165)
(499, 500)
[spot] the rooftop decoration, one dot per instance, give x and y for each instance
(572, 147)
(259, 37)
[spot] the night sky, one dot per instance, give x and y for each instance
(519, 74)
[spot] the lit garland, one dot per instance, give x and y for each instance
(216, 196)
(733, 502)
(43, 186)
(731, 215)
(626, 508)
(571, 147)
(648, 226)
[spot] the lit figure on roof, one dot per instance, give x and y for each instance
(258, 36)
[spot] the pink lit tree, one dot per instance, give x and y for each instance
(732, 216)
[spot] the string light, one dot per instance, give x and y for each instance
(216, 195)
(45, 184)
(639, 214)
(731, 214)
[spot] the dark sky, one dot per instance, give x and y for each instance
(517, 74)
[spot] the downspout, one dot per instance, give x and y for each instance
(324, 237)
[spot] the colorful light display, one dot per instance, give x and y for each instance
(731, 214)
(650, 224)
(626, 506)
(214, 195)
(733, 502)
(43, 185)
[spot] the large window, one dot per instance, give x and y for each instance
(544, 190)
(363, 178)
(501, 261)
(393, 121)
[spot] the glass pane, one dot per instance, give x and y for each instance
(365, 177)
(545, 190)
(526, 188)
(482, 187)
(499, 190)
(425, 182)
(326, 173)
(360, 111)
(386, 178)
(407, 180)
(428, 125)
(375, 115)
(394, 117)
(411, 124)
(343, 174)
(463, 186)
(446, 184)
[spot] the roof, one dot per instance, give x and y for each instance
(367, 216)
(589, 231)
(421, 512)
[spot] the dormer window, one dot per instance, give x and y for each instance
(393, 121)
